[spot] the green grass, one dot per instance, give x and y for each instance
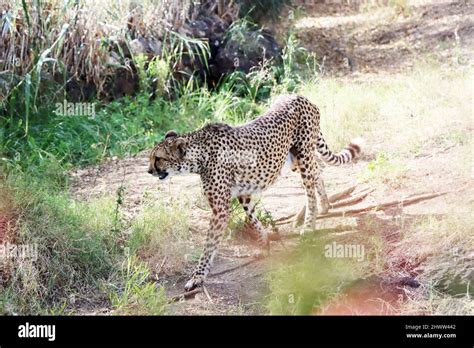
(77, 246)
(135, 293)
(238, 217)
(160, 232)
(305, 280)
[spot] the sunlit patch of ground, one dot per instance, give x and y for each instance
(372, 37)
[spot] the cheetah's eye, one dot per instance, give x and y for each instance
(158, 159)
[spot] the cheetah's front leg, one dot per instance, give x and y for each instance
(220, 217)
(249, 207)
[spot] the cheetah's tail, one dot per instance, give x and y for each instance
(351, 151)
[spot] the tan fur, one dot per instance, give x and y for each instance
(240, 161)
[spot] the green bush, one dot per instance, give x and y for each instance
(306, 279)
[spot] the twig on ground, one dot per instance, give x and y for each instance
(243, 264)
(188, 294)
(185, 295)
(343, 228)
(207, 294)
(333, 198)
(353, 200)
(412, 199)
(283, 219)
(402, 202)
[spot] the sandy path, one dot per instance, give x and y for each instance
(242, 290)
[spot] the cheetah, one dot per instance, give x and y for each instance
(244, 160)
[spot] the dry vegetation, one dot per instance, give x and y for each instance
(114, 241)
(86, 38)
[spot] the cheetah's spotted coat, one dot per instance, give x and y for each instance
(240, 161)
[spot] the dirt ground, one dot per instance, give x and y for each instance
(358, 39)
(371, 47)
(241, 290)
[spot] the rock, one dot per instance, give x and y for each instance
(149, 47)
(452, 275)
(245, 52)
(227, 54)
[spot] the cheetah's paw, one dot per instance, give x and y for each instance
(194, 282)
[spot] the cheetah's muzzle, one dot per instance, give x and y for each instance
(162, 175)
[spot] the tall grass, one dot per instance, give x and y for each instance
(77, 246)
(134, 293)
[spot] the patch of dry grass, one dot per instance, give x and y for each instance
(159, 235)
(443, 249)
(401, 113)
(88, 37)
(400, 116)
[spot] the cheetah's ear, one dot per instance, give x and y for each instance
(179, 147)
(171, 134)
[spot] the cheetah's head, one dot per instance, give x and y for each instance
(168, 157)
